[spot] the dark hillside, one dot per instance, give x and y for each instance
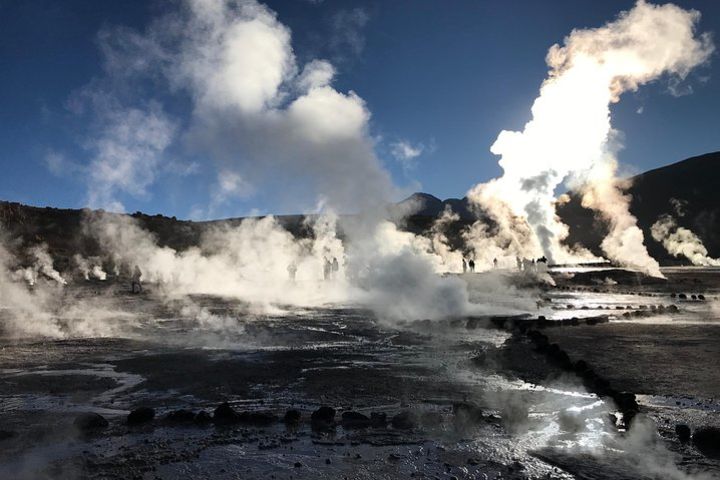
(689, 190)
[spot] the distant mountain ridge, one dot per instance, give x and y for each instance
(690, 190)
(425, 204)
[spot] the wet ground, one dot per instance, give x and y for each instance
(471, 398)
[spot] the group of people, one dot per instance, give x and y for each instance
(468, 264)
(523, 264)
(331, 268)
(531, 265)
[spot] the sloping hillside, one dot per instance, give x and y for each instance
(689, 190)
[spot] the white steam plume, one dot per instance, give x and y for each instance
(679, 241)
(570, 138)
(280, 125)
(89, 268)
(452, 259)
(256, 112)
(44, 264)
(394, 273)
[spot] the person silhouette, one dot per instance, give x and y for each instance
(335, 267)
(292, 270)
(135, 283)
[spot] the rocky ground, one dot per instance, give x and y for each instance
(577, 389)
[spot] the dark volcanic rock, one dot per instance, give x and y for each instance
(225, 414)
(355, 420)
(90, 421)
(203, 417)
(292, 417)
(404, 420)
(707, 440)
(683, 432)
(467, 412)
(141, 415)
(323, 417)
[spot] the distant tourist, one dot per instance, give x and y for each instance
(526, 264)
(495, 262)
(135, 283)
(464, 265)
(335, 267)
(471, 264)
(292, 270)
(327, 269)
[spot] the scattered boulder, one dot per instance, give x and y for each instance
(89, 421)
(355, 420)
(225, 414)
(683, 432)
(707, 441)
(323, 418)
(626, 403)
(581, 367)
(141, 415)
(404, 420)
(467, 412)
(203, 417)
(292, 417)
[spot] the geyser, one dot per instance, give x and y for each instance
(570, 138)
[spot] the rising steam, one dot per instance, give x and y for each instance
(570, 138)
(679, 241)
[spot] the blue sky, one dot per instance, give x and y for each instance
(440, 80)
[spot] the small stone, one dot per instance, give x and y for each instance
(141, 415)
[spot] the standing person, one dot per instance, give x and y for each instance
(494, 262)
(471, 264)
(327, 267)
(464, 266)
(135, 285)
(335, 267)
(292, 270)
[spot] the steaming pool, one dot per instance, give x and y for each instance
(463, 399)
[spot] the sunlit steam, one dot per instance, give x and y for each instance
(681, 242)
(570, 137)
